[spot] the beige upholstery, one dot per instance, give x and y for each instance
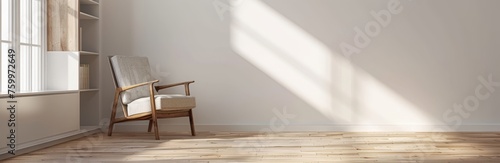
(163, 102)
(130, 71)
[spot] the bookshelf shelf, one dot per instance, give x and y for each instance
(89, 90)
(87, 16)
(87, 53)
(89, 2)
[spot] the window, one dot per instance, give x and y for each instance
(22, 30)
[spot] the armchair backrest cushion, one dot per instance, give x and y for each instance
(130, 70)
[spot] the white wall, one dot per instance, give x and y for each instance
(280, 54)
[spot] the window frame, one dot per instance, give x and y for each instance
(15, 41)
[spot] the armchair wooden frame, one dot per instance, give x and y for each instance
(152, 116)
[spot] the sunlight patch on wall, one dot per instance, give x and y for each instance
(293, 58)
(325, 80)
(379, 105)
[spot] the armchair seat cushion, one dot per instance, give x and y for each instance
(163, 102)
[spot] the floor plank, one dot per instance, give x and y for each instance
(278, 147)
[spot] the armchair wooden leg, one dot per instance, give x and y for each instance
(112, 121)
(110, 128)
(150, 126)
(113, 112)
(157, 134)
(154, 118)
(191, 122)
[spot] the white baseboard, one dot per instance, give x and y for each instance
(340, 128)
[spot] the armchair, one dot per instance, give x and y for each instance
(138, 95)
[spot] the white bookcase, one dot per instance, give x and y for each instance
(72, 41)
(63, 111)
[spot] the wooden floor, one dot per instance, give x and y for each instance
(280, 147)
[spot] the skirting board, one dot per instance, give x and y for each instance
(51, 141)
(291, 128)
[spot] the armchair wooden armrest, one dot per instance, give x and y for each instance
(186, 86)
(121, 89)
